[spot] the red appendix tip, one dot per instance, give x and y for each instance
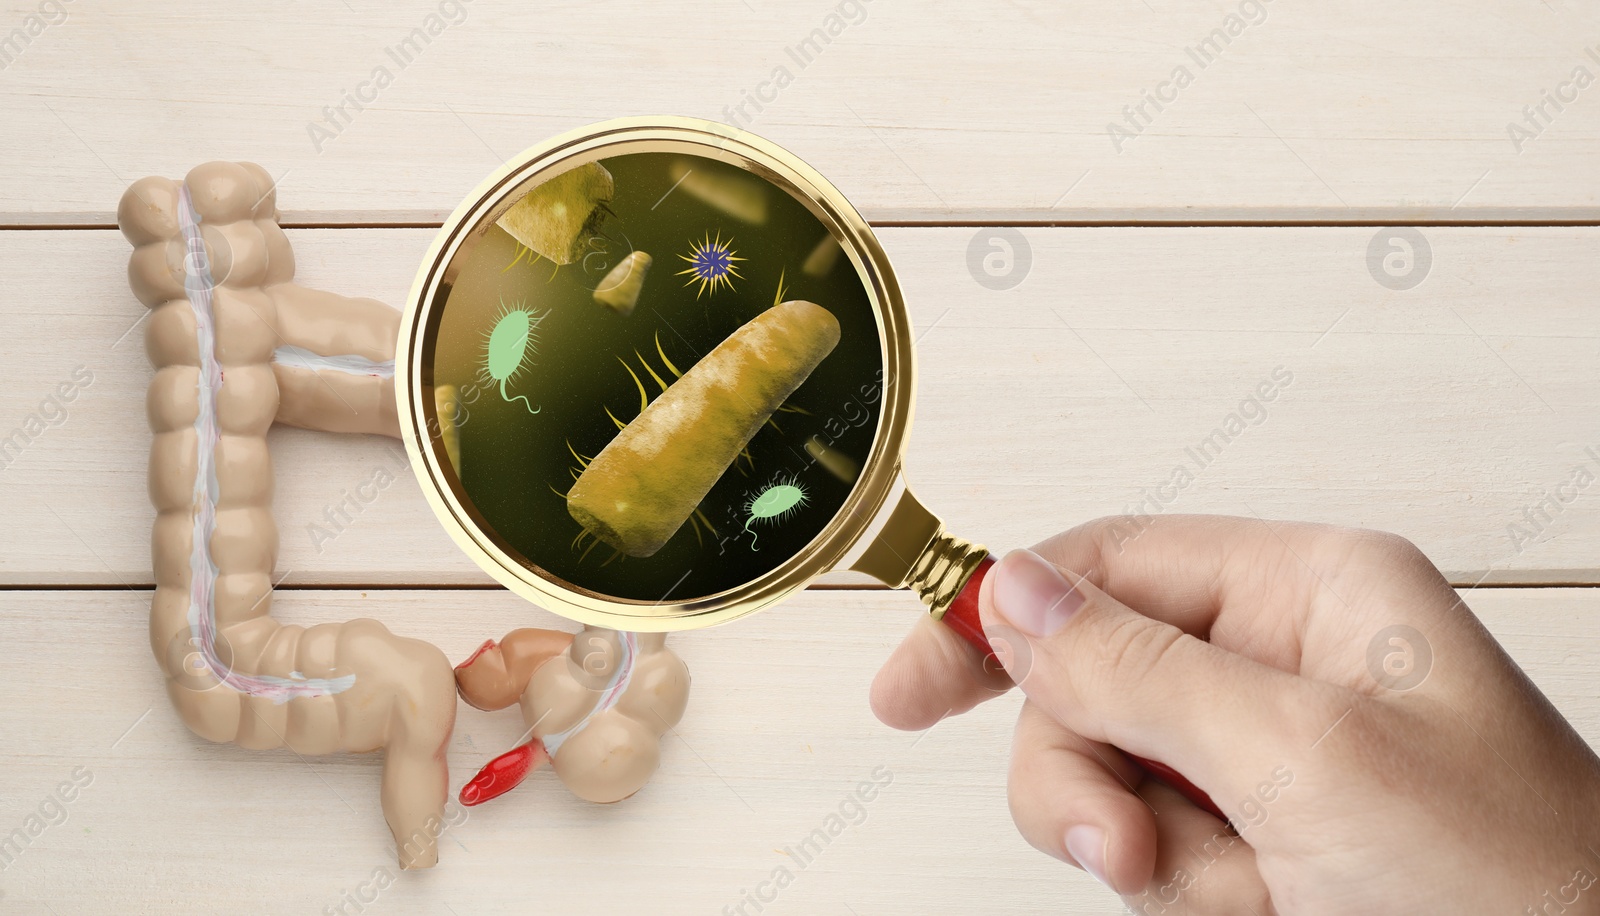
(504, 773)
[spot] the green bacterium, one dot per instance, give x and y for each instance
(507, 347)
(776, 502)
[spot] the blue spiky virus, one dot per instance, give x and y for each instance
(711, 263)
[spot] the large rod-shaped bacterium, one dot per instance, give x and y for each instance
(643, 485)
(557, 218)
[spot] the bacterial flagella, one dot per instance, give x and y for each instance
(508, 345)
(776, 502)
(711, 263)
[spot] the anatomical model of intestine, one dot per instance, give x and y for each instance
(237, 346)
(596, 705)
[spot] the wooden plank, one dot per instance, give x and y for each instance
(933, 111)
(777, 733)
(1448, 412)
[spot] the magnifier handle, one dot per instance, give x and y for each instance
(962, 616)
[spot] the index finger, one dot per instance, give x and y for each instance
(1185, 570)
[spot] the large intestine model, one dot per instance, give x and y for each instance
(603, 749)
(237, 346)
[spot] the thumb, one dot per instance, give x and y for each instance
(1114, 675)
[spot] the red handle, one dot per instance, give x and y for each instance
(962, 617)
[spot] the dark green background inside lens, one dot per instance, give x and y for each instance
(516, 466)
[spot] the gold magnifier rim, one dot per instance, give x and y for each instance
(414, 390)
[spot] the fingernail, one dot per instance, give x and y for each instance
(1087, 844)
(1032, 595)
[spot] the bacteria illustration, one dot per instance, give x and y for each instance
(586, 540)
(557, 219)
(508, 345)
(819, 263)
(703, 333)
(451, 414)
(774, 503)
(620, 289)
(738, 197)
(833, 461)
(644, 485)
(711, 264)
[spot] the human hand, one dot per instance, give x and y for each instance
(1267, 663)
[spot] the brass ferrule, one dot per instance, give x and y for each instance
(915, 551)
(942, 571)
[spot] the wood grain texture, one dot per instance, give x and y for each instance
(777, 734)
(1445, 412)
(1450, 412)
(934, 110)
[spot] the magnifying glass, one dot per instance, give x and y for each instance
(656, 374)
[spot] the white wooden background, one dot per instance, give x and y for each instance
(1166, 280)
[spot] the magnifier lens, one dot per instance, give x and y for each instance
(657, 375)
